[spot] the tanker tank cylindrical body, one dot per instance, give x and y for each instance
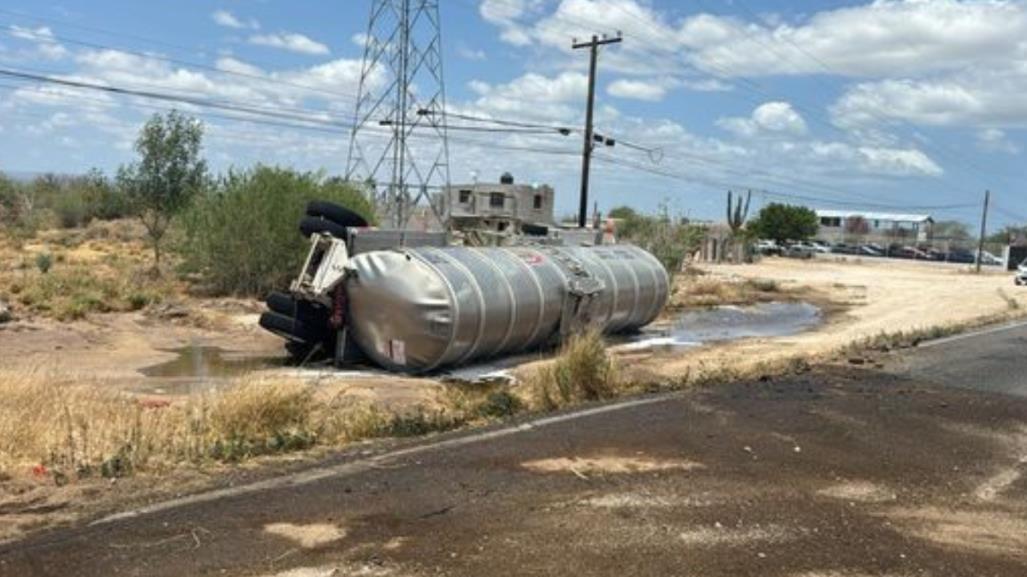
(419, 309)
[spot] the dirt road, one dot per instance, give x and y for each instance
(836, 472)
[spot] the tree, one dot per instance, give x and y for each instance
(167, 177)
(240, 236)
(622, 212)
(783, 222)
(951, 230)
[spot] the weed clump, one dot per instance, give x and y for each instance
(583, 371)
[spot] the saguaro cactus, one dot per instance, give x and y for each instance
(737, 214)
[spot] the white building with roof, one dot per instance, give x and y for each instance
(854, 226)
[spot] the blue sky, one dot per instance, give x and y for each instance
(913, 106)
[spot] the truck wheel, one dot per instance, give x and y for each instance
(289, 328)
(338, 214)
(281, 303)
(315, 224)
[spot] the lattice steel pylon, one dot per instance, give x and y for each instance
(398, 146)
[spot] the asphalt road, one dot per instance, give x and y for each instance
(834, 473)
(990, 360)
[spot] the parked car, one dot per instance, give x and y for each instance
(961, 256)
(799, 250)
(868, 250)
(820, 246)
(767, 247)
(842, 248)
(990, 259)
(910, 252)
(1021, 274)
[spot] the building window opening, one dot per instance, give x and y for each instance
(465, 196)
(497, 200)
(538, 202)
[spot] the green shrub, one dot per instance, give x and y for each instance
(43, 262)
(669, 241)
(242, 237)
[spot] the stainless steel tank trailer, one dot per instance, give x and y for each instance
(421, 308)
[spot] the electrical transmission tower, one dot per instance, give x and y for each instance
(398, 145)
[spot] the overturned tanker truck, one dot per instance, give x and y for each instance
(421, 308)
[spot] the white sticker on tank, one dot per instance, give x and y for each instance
(398, 351)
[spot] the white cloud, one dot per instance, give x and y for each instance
(229, 20)
(534, 95)
(637, 89)
(893, 37)
(995, 140)
(290, 41)
(468, 53)
(507, 15)
(900, 161)
(236, 66)
(45, 42)
(769, 118)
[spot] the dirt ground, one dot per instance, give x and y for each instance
(865, 298)
(861, 299)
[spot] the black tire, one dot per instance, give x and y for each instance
(315, 224)
(281, 303)
(290, 328)
(534, 229)
(340, 215)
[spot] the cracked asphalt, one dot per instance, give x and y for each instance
(915, 469)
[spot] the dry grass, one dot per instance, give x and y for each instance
(97, 269)
(583, 371)
(69, 430)
(698, 292)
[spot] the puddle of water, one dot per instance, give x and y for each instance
(201, 368)
(729, 323)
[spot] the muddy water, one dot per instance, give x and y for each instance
(690, 329)
(199, 369)
(729, 323)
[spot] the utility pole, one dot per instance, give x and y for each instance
(586, 156)
(984, 227)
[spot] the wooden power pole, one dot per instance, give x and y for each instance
(586, 158)
(984, 227)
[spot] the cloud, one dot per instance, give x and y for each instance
(468, 53)
(229, 20)
(290, 41)
(769, 118)
(637, 90)
(900, 161)
(534, 95)
(893, 37)
(995, 140)
(507, 15)
(46, 44)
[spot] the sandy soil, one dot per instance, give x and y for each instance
(114, 347)
(870, 297)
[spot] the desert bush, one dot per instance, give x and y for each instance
(43, 262)
(242, 237)
(668, 240)
(583, 371)
(69, 293)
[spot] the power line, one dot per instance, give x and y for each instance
(9, 29)
(768, 192)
